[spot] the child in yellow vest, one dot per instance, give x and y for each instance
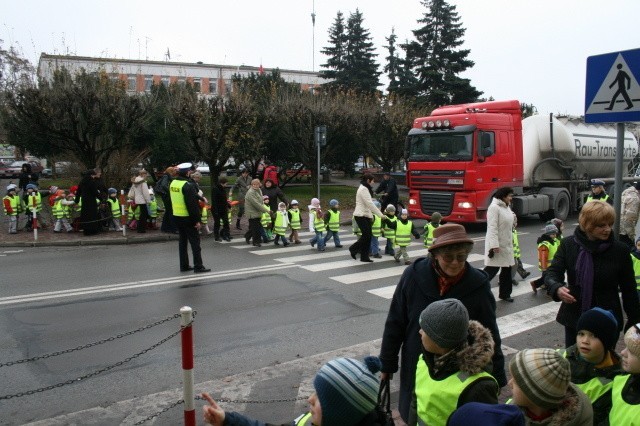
(376, 232)
(625, 394)
(404, 229)
(431, 226)
(266, 221)
(281, 224)
(316, 224)
(114, 208)
(62, 212)
(388, 231)
(547, 247)
(11, 205)
(332, 222)
(451, 370)
(295, 221)
(518, 268)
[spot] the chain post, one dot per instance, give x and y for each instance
(186, 322)
(123, 213)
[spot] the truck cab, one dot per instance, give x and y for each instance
(458, 156)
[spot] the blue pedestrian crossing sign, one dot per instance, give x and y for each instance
(612, 92)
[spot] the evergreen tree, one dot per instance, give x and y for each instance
(392, 68)
(335, 51)
(436, 58)
(351, 63)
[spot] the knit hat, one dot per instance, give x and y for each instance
(543, 375)
(446, 322)
(550, 229)
(315, 202)
(390, 208)
(557, 222)
(404, 211)
(333, 203)
(632, 340)
(265, 197)
(112, 191)
(377, 203)
(436, 217)
(31, 186)
(11, 187)
(481, 414)
(602, 324)
(347, 389)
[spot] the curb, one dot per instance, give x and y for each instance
(94, 242)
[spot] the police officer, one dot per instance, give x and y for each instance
(186, 215)
(598, 192)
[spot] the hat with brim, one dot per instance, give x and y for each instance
(449, 234)
(183, 167)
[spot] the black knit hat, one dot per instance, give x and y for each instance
(602, 324)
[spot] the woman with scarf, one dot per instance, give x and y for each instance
(363, 214)
(597, 267)
(444, 274)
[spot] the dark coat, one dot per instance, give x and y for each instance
(90, 191)
(612, 270)
(418, 287)
(219, 203)
(274, 193)
(391, 189)
(191, 200)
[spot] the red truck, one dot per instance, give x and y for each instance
(461, 154)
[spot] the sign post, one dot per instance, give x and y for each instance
(612, 95)
(320, 140)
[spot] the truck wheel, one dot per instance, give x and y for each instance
(561, 206)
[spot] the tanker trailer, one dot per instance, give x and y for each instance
(560, 156)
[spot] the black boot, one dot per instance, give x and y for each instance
(238, 224)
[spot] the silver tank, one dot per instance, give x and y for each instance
(589, 148)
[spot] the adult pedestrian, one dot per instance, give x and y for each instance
(89, 194)
(140, 196)
(597, 268)
(598, 192)
(389, 190)
(270, 173)
(186, 214)
(220, 210)
(162, 188)
(629, 212)
(444, 274)
(363, 214)
(498, 244)
(26, 177)
(273, 191)
(254, 207)
(242, 185)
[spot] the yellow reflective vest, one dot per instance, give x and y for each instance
(376, 226)
(334, 220)
(303, 420)
(295, 219)
(318, 221)
(622, 413)
(115, 207)
(428, 234)
(177, 198)
(403, 233)
(389, 233)
(552, 247)
(636, 270)
(516, 245)
(14, 204)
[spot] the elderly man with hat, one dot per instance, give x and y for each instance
(444, 274)
(186, 215)
(598, 192)
(389, 190)
(629, 212)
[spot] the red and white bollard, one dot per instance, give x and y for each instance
(34, 219)
(187, 366)
(123, 213)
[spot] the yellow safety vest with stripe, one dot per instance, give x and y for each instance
(437, 399)
(334, 221)
(133, 212)
(390, 233)
(279, 226)
(59, 210)
(516, 245)
(376, 226)
(153, 209)
(636, 270)
(591, 198)
(177, 198)
(318, 222)
(38, 199)
(594, 388)
(115, 207)
(552, 247)
(295, 219)
(428, 234)
(403, 233)
(621, 412)
(265, 219)
(14, 202)
(303, 420)
(204, 215)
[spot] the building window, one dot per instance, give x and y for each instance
(131, 83)
(148, 82)
(196, 85)
(228, 87)
(213, 86)
(165, 80)
(181, 81)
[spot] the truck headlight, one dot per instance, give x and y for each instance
(412, 202)
(465, 205)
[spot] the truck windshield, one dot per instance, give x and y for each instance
(440, 147)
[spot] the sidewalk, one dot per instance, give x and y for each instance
(47, 238)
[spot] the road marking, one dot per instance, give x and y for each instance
(12, 251)
(521, 321)
(369, 275)
(138, 284)
(348, 263)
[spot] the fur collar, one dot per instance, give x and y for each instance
(571, 410)
(472, 357)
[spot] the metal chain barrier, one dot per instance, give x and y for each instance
(97, 372)
(89, 345)
(164, 410)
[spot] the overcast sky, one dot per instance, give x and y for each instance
(533, 51)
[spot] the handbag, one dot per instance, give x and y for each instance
(383, 408)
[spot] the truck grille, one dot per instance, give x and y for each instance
(422, 179)
(436, 202)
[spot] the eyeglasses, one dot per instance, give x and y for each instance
(449, 257)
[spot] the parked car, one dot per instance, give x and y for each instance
(13, 169)
(203, 168)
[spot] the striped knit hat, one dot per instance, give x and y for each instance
(347, 390)
(543, 375)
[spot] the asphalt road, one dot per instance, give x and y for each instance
(263, 315)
